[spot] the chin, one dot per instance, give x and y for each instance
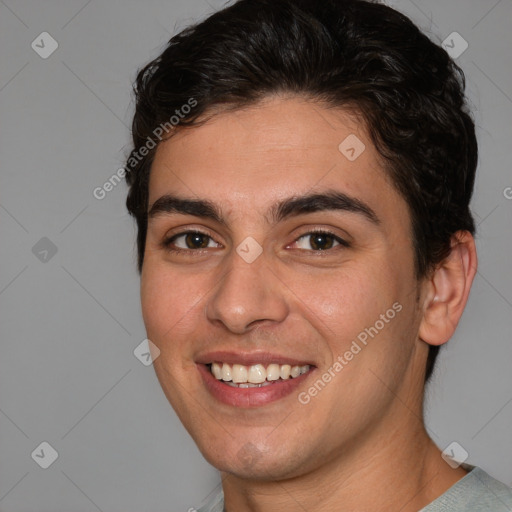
(250, 462)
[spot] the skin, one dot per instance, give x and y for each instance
(360, 443)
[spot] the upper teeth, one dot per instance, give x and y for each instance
(257, 373)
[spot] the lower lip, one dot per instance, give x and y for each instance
(250, 397)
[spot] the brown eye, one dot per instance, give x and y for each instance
(320, 241)
(196, 241)
(189, 241)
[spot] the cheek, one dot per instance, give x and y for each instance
(365, 317)
(342, 304)
(169, 303)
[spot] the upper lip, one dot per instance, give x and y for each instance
(249, 358)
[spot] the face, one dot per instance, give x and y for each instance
(271, 246)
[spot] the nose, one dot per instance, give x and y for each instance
(248, 295)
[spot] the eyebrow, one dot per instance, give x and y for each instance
(197, 207)
(296, 205)
(329, 200)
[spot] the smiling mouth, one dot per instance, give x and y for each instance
(256, 375)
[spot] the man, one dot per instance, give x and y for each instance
(301, 178)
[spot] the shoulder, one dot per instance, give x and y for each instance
(476, 492)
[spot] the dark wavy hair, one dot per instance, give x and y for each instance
(353, 54)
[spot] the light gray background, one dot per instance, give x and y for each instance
(69, 326)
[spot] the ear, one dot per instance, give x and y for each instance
(447, 290)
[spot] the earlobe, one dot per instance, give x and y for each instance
(448, 290)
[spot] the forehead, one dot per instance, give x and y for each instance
(251, 158)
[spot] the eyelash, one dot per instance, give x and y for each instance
(166, 244)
